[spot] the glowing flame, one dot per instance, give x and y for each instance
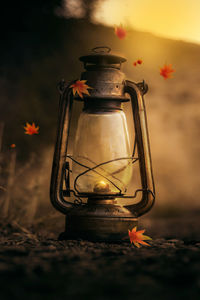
(101, 187)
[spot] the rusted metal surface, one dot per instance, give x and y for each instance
(59, 160)
(143, 147)
(106, 83)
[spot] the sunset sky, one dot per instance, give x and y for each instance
(179, 19)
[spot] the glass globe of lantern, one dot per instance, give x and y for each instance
(102, 143)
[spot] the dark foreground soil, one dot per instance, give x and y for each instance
(34, 266)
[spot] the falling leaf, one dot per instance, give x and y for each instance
(80, 88)
(166, 71)
(12, 146)
(31, 129)
(139, 61)
(137, 237)
(120, 32)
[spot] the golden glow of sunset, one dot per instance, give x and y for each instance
(177, 19)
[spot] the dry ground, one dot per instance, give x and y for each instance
(38, 266)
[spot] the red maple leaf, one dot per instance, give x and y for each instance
(139, 61)
(80, 88)
(120, 32)
(166, 71)
(31, 129)
(137, 237)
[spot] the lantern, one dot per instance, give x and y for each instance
(86, 183)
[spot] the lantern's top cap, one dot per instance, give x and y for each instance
(102, 56)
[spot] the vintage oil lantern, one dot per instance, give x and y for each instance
(86, 183)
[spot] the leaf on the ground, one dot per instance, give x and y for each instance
(137, 237)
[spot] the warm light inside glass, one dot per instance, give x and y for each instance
(100, 137)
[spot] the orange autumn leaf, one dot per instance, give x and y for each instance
(12, 146)
(80, 88)
(120, 32)
(31, 129)
(137, 237)
(166, 71)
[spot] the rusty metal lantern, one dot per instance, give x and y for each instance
(100, 167)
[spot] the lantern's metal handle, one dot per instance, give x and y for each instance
(59, 160)
(136, 92)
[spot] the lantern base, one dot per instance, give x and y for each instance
(99, 223)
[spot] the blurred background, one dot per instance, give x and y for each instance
(41, 46)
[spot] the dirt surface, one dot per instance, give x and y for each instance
(34, 266)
